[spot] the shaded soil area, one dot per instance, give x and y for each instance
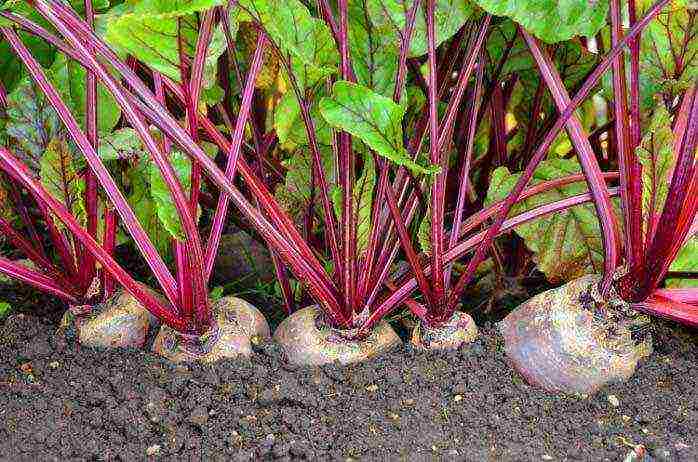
(64, 402)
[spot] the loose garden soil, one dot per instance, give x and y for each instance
(59, 401)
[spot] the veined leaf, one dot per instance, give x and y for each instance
(144, 206)
(295, 194)
(566, 244)
(374, 57)
(248, 36)
(363, 193)
(31, 124)
(656, 155)
(60, 178)
(123, 144)
(669, 51)
(363, 201)
(164, 204)
(290, 127)
(149, 30)
(305, 39)
(686, 260)
(374, 119)
(69, 78)
(390, 17)
(552, 20)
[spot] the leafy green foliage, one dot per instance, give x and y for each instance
(566, 244)
(686, 260)
(31, 124)
(11, 67)
(550, 20)
(305, 40)
(669, 52)
(121, 144)
(5, 309)
(374, 119)
(164, 204)
(656, 155)
(151, 30)
(60, 178)
(145, 208)
(390, 18)
(69, 78)
(290, 127)
(374, 58)
(295, 193)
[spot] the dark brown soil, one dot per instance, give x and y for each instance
(64, 402)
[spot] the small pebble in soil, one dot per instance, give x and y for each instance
(613, 400)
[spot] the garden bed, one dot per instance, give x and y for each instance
(62, 402)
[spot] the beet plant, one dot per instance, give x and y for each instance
(593, 330)
(369, 143)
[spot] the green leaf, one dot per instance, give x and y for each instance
(669, 52)
(6, 211)
(424, 233)
(566, 244)
(656, 155)
(69, 78)
(686, 260)
(306, 40)
(5, 309)
(164, 204)
(144, 206)
(290, 127)
(295, 193)
(61, 180)
(375, 59)
(122, 144)
(31, 124)
(363, 193)
(11, 67)
(149, 30)
(552, 20)
(390, 18)
(374, 119)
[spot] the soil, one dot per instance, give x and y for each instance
(60, 401)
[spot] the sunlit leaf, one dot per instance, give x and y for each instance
(566, 244)
(686, 260)
(551, 20)
(290, 127)
(151, 30)
(374, 119)
(306, 40)
(390, 19)
(122, 144)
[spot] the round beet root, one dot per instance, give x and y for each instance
(308, 340)
(459, 330)
(236, 322)
(120, 322)
(563, 341)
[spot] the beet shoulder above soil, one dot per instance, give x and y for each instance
(60, 401)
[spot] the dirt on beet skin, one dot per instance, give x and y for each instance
(59, 401)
